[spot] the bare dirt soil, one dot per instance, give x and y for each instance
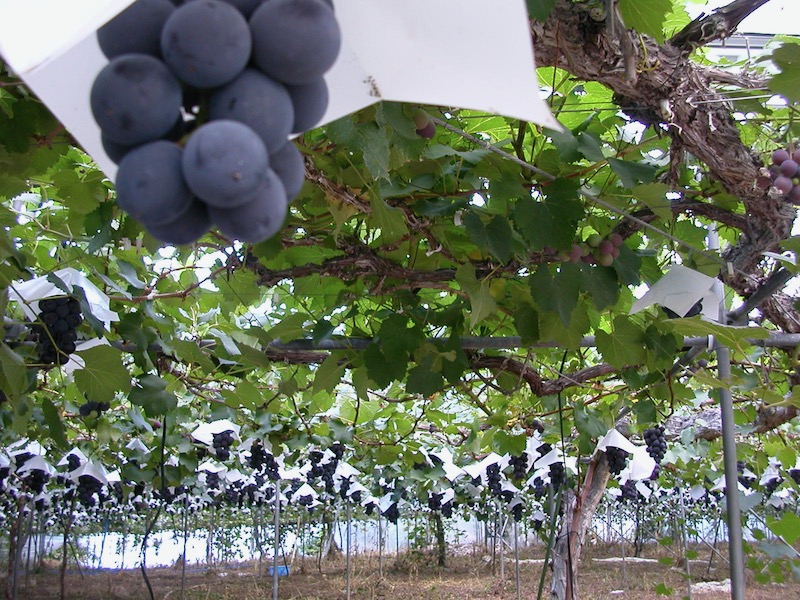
(410, 577)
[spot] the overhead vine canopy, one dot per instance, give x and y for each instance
(410, 256)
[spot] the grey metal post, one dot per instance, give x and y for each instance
(349, 528)
(734, 512)
(276, 526)
(516, 560)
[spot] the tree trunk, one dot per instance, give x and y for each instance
(441, 543)
(578, 513)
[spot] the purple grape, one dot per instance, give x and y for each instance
(150, 185)
(310, 102)
(779, 156)
(295, 41)
(783, 184)
(224, 162)
(796, 156)
(206, 43)
(794, 194)
(258, 219)
(789, 168)
(187, 228)
(135, 99)
(289, 166)
(136, 30)
(259, 102)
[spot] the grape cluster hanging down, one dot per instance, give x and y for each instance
(656, 442)
(196, 106)
(222, 443)
(56, 329)
(617, 458)
(784, 174)
(519, 465)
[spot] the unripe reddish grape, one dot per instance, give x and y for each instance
(428, 131)
(779, 156)
(616, 239)
(589, 259)
(421, 118)
(605, 260)
(605, 247)
(575, 253)
(789, 168)
(615, 252)
(594, 240)
(784, 184)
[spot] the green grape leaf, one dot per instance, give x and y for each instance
(152, 396)
(787, 82)
(553, 221)
(103, 374)
(624, 346)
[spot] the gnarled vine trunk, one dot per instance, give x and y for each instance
(578, 511)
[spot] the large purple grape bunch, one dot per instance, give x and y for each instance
(196, 106)
(56, 327)
(617, 459)
(222, 442)
(784, 174)
(656, 443)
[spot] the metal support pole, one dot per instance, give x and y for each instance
(516, 560)
(276, 527)
(349, 528)
(734, 512)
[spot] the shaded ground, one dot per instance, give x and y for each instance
(412, 576)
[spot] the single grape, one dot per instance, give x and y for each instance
(796, 156)
(575, 253)
(150, 185)
(616, 239)
(187, 228)
(289, 166)
(794, 194)
(780, 155)
(784, 184)
(135, 99)
(310, 102)
(206, 43)
(224, 162)
(259, 102)
(260, 218)
(116, 152)
(428, 131)
(605, 247)
(605, 260)
(789, 168)
(295, 41)
(136, 30)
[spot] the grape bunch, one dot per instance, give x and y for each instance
(595, 250)
(557, 475)
(516, 511)
(88, 488)
(745, 479)
(784, 174)
(519, 465)
(772, 485)
(92, 409)
(493, 479)
(35, 480)
(447, 509)
(539, 488)
(435, 501)
(56, 329)
(212, 481)
(73, 462)
(392, 514)
(617, 458)
(629, 492)
(196, 106)
(795, 475)
(222, 442)
(656, 442)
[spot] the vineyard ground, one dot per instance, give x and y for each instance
(410, 577)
